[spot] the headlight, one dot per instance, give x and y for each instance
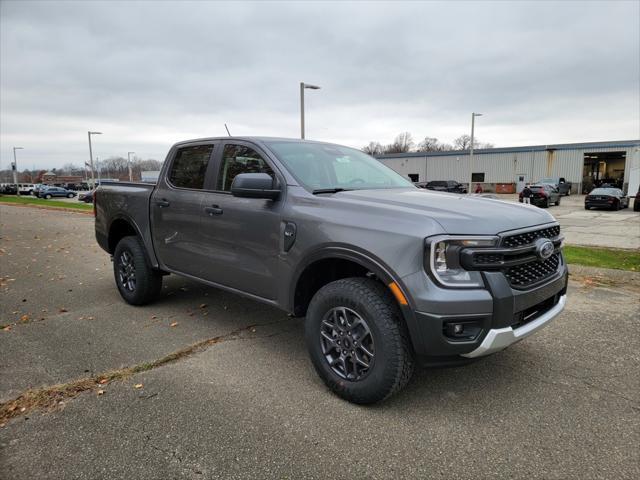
(442, 258)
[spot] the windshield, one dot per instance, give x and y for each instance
(324, 166)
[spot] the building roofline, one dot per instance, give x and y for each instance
(532, 148)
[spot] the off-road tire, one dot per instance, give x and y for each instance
(393, 362)
(148, 282)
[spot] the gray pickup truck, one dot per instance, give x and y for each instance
(387, 275)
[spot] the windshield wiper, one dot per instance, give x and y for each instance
(329, 190)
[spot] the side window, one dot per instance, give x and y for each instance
(238, 159)
(190, 166)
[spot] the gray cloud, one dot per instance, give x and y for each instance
(148, 74)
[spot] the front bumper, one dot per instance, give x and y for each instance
(500, 338)
(499, 314)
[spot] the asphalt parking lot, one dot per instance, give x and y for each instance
(246, 403)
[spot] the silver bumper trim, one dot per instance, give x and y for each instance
(500, 338)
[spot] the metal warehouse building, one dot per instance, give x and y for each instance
(584, 164)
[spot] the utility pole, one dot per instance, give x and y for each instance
(93, 177)
(473, 122)
(15, 169)
(129, 165)
(302, 87)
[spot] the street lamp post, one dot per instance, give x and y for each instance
(129, 165)
(473, 122)
(15, 169)
(302, 87)
(93, 177)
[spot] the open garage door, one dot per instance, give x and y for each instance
(603, 168)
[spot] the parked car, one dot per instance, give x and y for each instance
(51, 192)
(9, 189)
(636, 202)
(384, 274)
(563, 187)
(86, 197)
(543, 195)
(611, 198)
(25, 188)
(444, 186)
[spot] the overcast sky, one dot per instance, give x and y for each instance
(150, 74)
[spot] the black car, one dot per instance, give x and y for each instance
(51, 192)
(444, 186)
(543, 195)
(611, 198)
(86, 197)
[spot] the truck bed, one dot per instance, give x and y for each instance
(124, 201)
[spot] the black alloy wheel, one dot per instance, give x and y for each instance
(347, 343)
(127, 271)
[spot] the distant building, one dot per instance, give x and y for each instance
(584, 164)
(50, 178)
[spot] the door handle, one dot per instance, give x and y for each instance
(213, 210)
(162, 203)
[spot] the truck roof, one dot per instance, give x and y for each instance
(249, 138)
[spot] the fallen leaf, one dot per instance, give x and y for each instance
(102, 381)
(153, 317)
(7, 328)
(24, 318)
(203, 305)
(63, 310)
(23, 409)
(138, 385)
(174, 324)
(100, 392)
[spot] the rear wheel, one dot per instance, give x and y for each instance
(70, 195)
(137, 282)
(357, 341)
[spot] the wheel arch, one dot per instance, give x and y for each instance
(122, 226)
(335, 262)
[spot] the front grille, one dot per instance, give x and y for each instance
(526, 238)
(531, 273)
(487, 258)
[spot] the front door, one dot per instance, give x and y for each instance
(241, 235)
(176, 208)
(520, 182)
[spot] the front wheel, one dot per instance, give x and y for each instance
(137, 282)
(47, 197)
(70, 195)
(357, 340)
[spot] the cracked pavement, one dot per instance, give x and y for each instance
(561, 404)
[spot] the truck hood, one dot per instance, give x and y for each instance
(457, 214)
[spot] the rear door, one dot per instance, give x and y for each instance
(175, 209)
(241, 236)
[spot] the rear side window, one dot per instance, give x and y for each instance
(238, 159)
(190, 166)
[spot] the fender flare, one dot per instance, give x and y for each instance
(150, 254)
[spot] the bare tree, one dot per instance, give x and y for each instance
(463, 142)
(432, 144)
(403, 143)
(374, 148)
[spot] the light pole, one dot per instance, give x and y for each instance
(473, 123)
(15, 169)
(129, 165)
(302, 87)
(93, 177)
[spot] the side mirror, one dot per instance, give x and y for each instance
(255, 185)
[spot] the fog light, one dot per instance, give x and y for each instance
(462, 331)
